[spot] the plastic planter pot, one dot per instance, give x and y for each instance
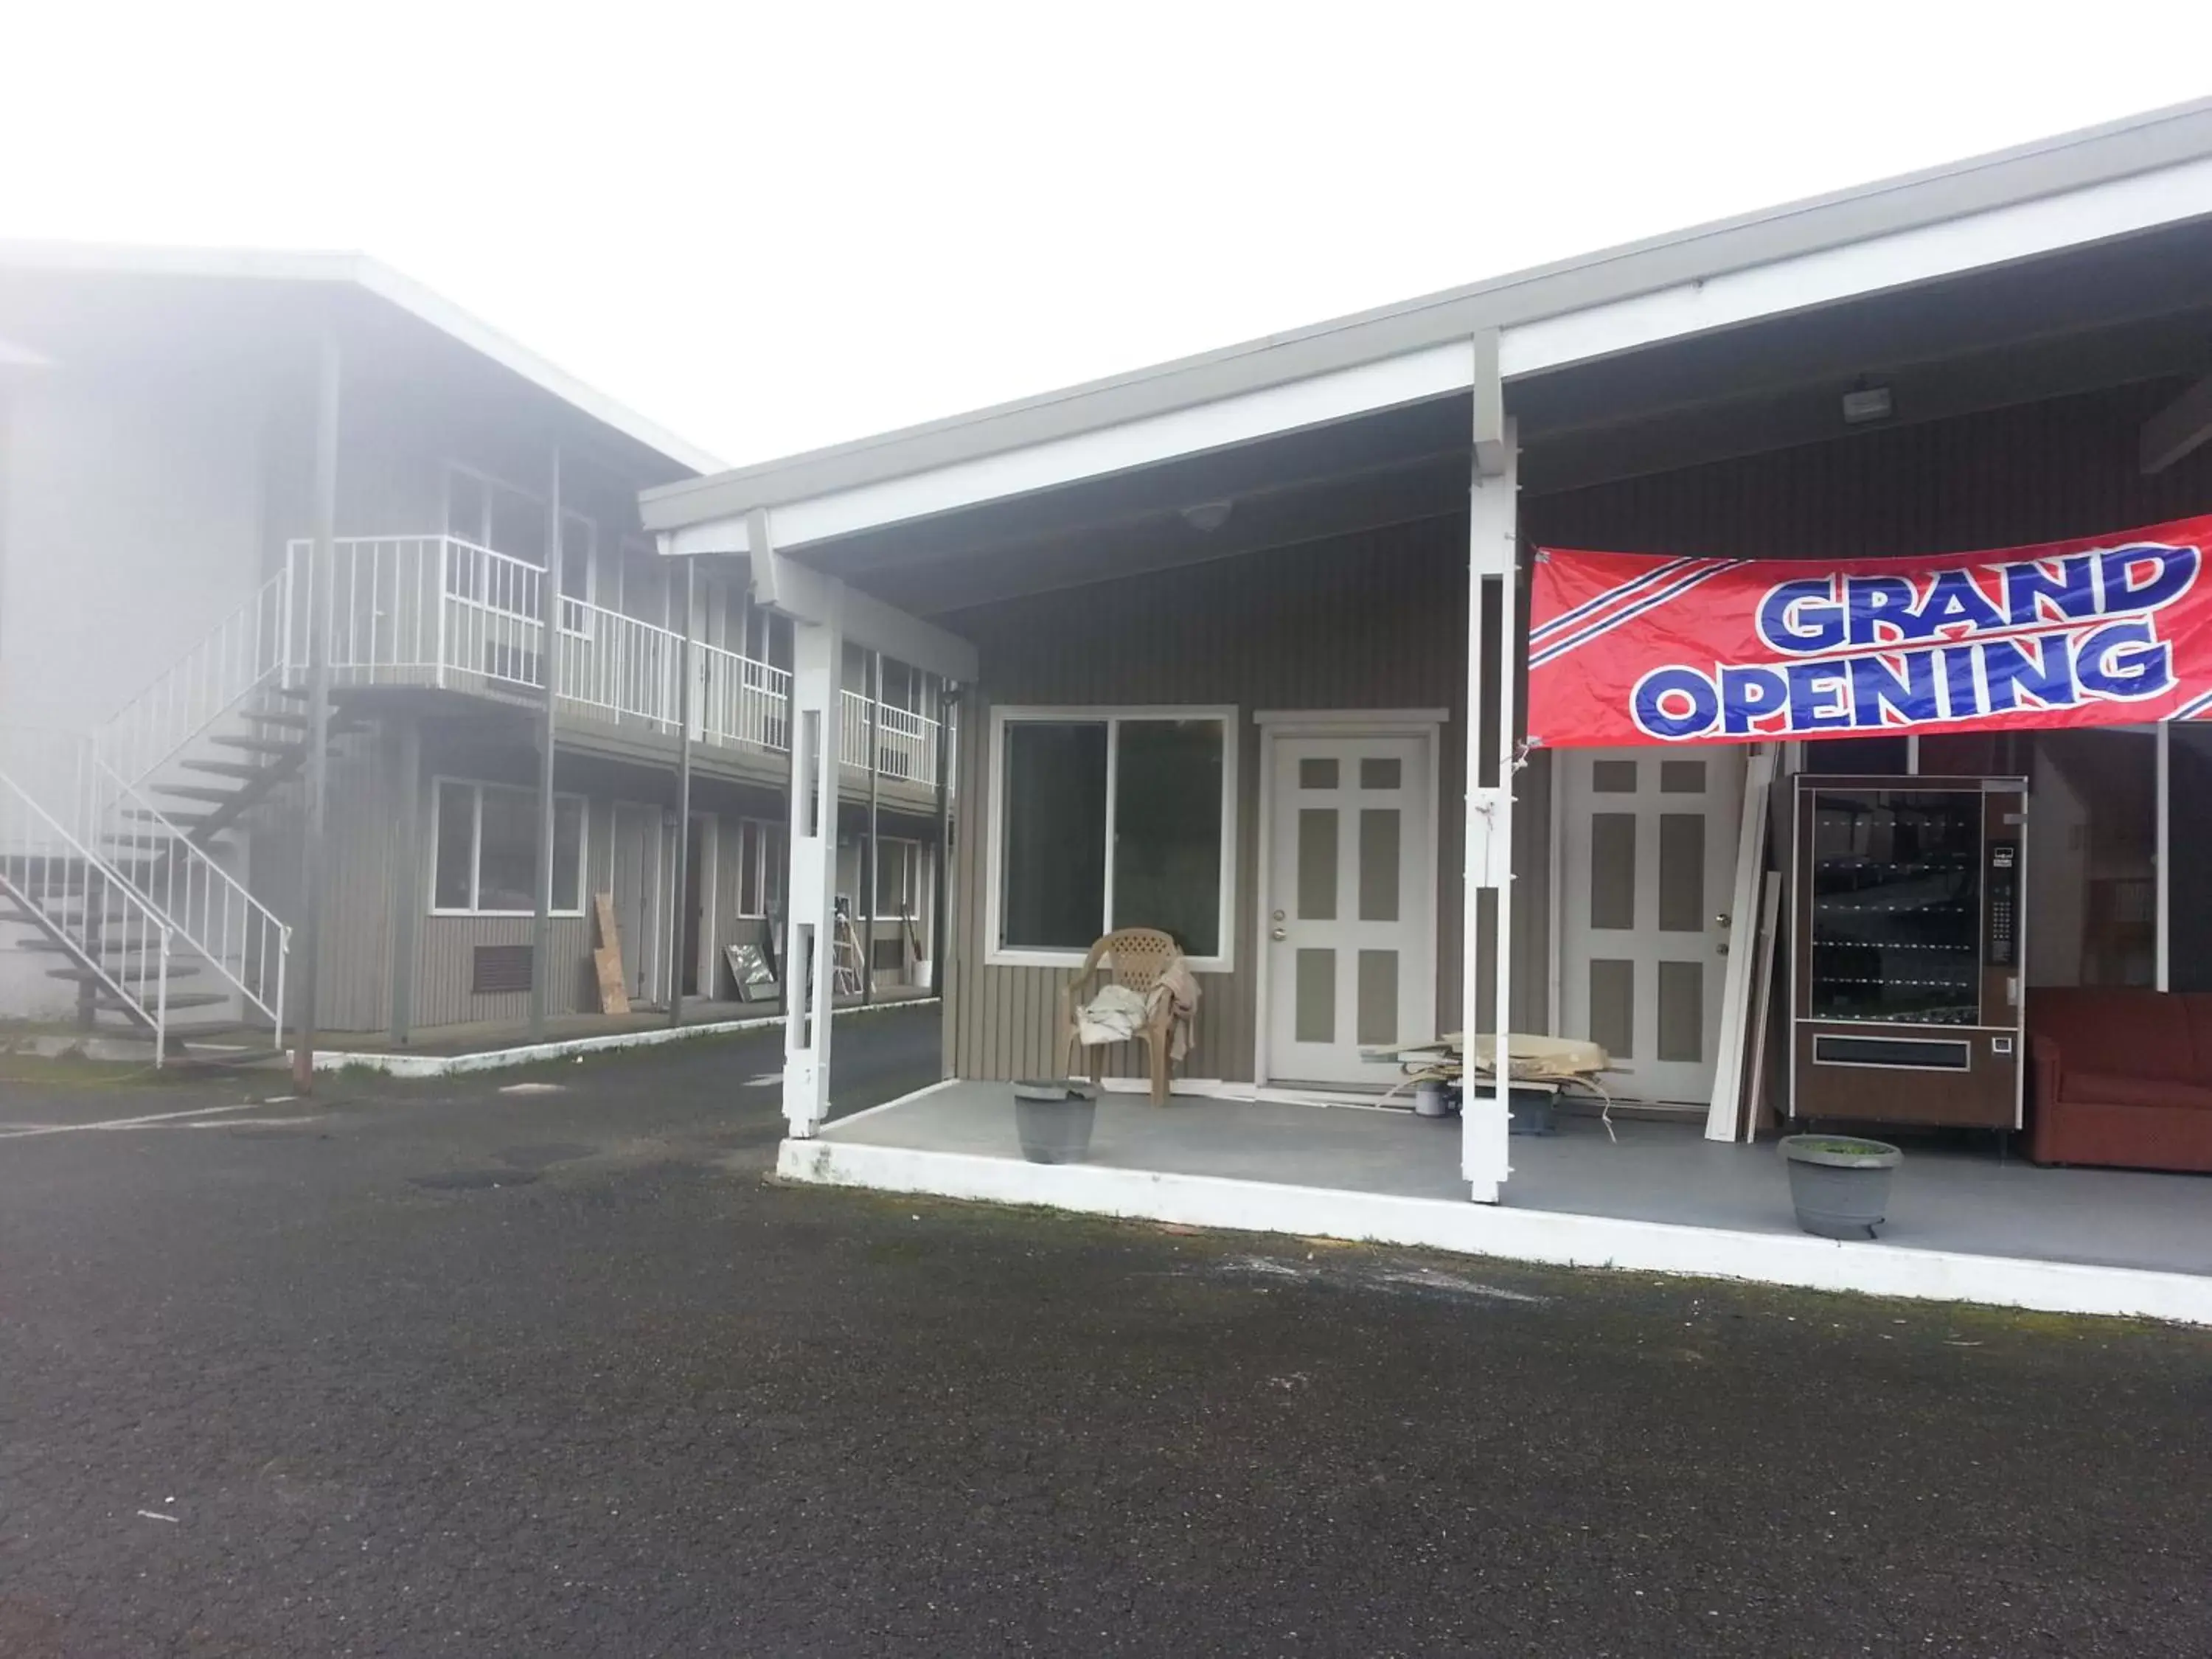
(1054, 1121)
(1840, 1183)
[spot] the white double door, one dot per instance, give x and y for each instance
(1349, 906)
(1645, 874)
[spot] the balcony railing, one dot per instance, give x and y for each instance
(905, 742)
(439, 611)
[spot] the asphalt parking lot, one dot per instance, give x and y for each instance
(541, 1363)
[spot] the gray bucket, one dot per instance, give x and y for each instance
(1054, 1121)
(1839, 1184)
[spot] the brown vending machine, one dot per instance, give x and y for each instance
(1908, 967)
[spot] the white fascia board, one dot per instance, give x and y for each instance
(2024, 230)
(1438, 371)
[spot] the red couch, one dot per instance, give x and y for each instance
(2121, 1078)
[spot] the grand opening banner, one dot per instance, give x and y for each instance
(1628, 649)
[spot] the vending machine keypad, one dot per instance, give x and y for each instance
(2004, 900)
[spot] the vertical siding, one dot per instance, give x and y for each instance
(1378, 621)
(354, 985)
(441, 984)
(2034, 473)
(1375, 621)
(354, 972)
(446, 945)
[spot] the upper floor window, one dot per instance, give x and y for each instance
(487, 513)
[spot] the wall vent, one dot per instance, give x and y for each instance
(499, 968)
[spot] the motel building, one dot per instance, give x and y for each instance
(1777, 653)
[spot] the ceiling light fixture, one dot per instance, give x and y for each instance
(1864, 402)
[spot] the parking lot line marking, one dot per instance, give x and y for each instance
(257, 1122)
(121, 1122)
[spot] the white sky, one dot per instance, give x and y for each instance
(773, 226)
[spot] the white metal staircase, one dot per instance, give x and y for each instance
(113, 850)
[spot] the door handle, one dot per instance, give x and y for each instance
(1280, 933)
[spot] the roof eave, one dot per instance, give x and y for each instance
(2025, 173)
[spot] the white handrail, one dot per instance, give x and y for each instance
(116, 934)
(241, 654)
(241, 937)
(906, 743)
(421, 610)
(434, 610)
(742, 701)
(620, 666)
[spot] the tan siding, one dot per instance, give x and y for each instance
(441, 985)
(445, 958)
(354, 977)
(1379, 621)
(2037, 472)
(1369, 622)
(354, 985)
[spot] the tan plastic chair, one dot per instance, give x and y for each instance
(1138, 956)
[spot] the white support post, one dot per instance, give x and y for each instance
(1493, 531)
(809, 937)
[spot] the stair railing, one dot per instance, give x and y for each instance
(104, 926)
(242, 653)
(214, 914)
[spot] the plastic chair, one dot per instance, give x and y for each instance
(1138, 956)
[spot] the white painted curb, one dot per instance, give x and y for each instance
(1553, 1238)
(492, 1060)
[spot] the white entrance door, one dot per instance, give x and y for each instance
(1349, 913)
(1646, 869)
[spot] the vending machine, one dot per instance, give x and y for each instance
(1908, 969)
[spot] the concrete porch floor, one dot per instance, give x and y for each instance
(1321, 1170)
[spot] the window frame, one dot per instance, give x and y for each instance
(756, 841)
(1111, 715)
(908, 860)
(490, 485)
(476, 787)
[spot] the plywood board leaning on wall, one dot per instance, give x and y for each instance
(614, 996)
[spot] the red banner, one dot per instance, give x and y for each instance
(1627, 649)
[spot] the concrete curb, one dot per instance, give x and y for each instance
(533, 1054)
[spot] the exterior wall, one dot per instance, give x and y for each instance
(368, 868)
(132, 525)
(1377, 621)
(2032, 473)
(131, 512)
